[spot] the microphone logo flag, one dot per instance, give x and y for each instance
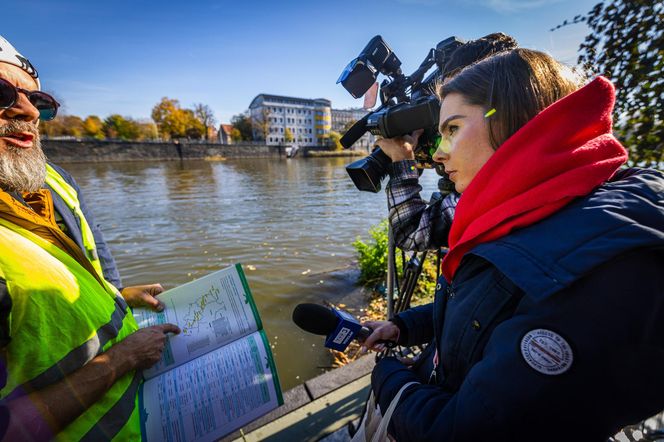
(347, 328)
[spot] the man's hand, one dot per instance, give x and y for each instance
(382, 330)
(142, 349)
(144, 296)
(41, 414)
(400, 148)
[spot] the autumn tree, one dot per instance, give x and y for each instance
(236, 135)
(117, 126)
(242, 124)
(69, 126)
(335, 140)
(93, 127)
(53, 128)
(147, 130)
(170, 118)
(205, 115)
(261, 123)
(625, 44)
(193, 127)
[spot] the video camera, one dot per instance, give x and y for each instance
(408, 103)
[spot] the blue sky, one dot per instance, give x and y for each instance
(122, 56)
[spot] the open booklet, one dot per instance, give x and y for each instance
(218, 374)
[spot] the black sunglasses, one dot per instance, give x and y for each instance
(45, 104)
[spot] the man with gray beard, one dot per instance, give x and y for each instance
(71, 353)
(22, 169)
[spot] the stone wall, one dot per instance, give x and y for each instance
(74, 151)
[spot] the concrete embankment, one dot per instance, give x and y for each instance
(73, 151)
(90, 151)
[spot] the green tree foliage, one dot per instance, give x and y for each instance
(372, 255)
(117, 126)
(626, 44)
(372, 261)
(243, 125)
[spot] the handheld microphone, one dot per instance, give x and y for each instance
(339, 326)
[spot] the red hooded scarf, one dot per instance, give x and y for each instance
(563, 153)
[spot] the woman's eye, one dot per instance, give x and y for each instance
(451, 129)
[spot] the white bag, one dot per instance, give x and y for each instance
(373, 427)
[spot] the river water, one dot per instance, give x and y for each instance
(289, 222)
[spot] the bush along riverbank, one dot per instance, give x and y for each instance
(372, 263)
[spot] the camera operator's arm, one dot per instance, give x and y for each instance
(416, 225)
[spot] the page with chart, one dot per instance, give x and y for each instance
(213, 395)
(211, 312)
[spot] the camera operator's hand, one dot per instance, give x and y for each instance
(382, 330)
(400, 148)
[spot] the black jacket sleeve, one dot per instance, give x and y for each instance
(415, 325)
(613, 320)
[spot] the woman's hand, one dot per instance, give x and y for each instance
(144, 296)
(382, 331)
(400, 148)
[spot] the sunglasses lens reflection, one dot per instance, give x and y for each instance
(45, 104)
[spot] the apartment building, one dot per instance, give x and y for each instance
(306, 122)
(282, 120)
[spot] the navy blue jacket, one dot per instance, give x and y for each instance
(590, 274)
(111, 273)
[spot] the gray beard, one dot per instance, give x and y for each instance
(22, 170)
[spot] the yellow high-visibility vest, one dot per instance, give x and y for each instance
(70, 197)
(60, 319)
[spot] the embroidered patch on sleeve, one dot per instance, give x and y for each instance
(546, 351)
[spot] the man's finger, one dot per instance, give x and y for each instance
(169, 328)
(152, 302)
(156, 289)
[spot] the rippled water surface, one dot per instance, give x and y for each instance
(289, 222)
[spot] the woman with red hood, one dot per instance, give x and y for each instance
(548, 321)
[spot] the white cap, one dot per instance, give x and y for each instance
(8, 54)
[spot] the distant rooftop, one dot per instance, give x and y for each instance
(280, 99)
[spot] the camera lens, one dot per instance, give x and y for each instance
(368, 172)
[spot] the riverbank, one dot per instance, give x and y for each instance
(102, 151)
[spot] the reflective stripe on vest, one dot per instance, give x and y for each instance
(61, 318)
(70, 197)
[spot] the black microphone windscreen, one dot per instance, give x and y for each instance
(315, 319)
